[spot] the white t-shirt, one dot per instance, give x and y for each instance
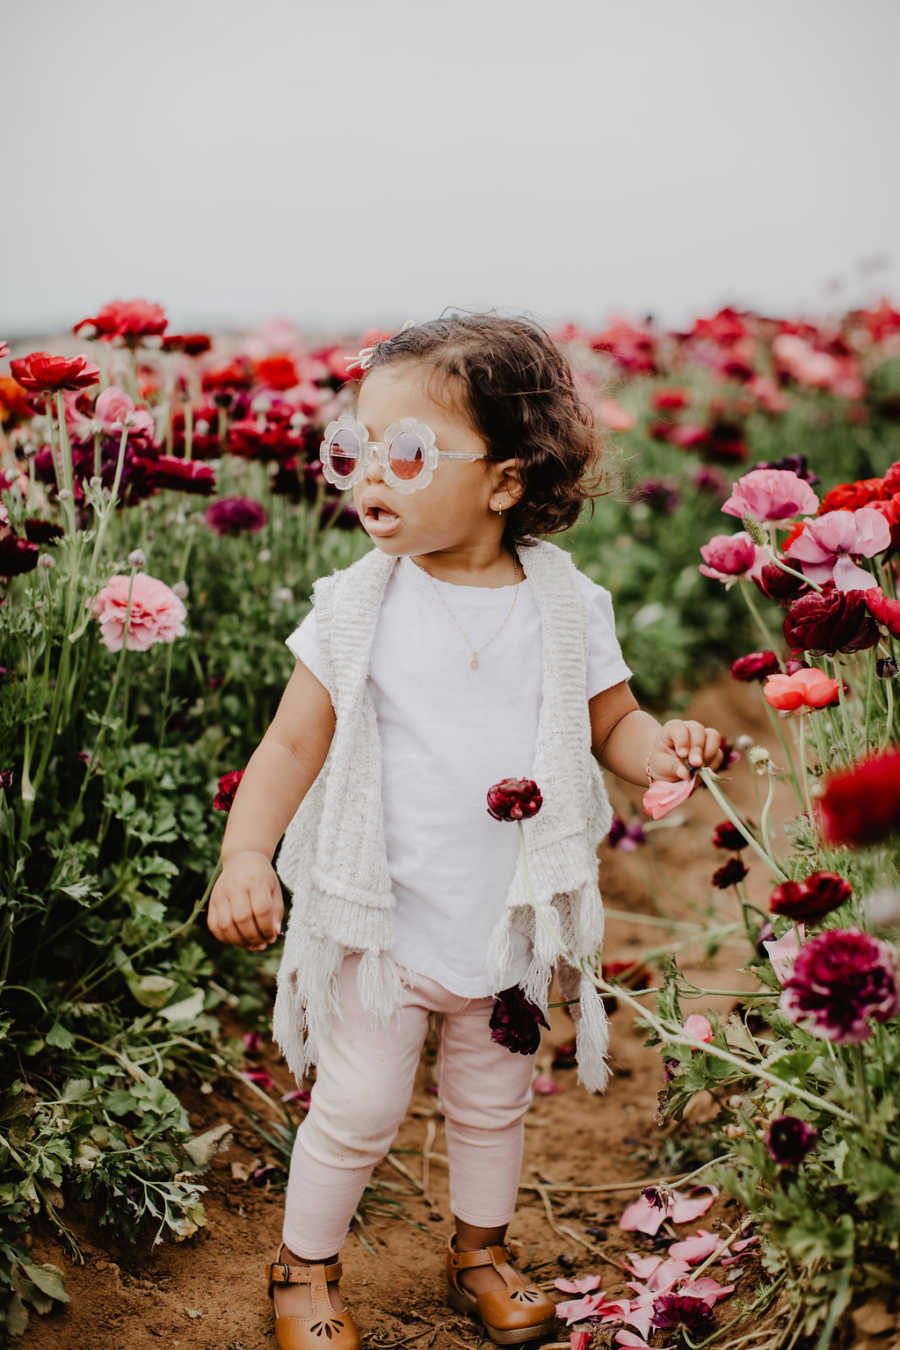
(448, 734)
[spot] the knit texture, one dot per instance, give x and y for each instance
(333, 856)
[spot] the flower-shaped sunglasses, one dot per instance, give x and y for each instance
(408, 454)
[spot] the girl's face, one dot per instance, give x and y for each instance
(457, 510)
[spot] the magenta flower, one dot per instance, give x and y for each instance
(624, 837)
(789, 1139)
(842, 980)
(824, 547)
(157, 614)
(771, 494)
(729, 556)
(228, 786)
(234, 515)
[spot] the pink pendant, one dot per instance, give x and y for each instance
(474, 663)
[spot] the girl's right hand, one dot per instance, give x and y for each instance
(245, 907)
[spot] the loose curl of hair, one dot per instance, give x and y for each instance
(511, 382)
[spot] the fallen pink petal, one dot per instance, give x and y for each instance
(585, 1285)
(696, 1248)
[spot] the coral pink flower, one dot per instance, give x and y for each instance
(699, 1027)
(613, 416)
(824, 546)
(157, 614)
(806, 688)
(729, 556)
(129, 320)
(771, 494)
(115, 410)
(41, 373)
(662, 796)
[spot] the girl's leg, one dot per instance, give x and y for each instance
(485, 1091)
(364, 1081)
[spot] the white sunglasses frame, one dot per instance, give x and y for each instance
(380, 448)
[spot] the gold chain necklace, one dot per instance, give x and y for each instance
(474, 661)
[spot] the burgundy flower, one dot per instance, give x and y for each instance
(515, 1022)
(729, 874)
(789, 1139)
(830, 621)
(810, 900)
(777, 584)
(41, 373)
(228, 785)
(192, 344)
(16, 555)
(186, 475)
(42, 531)
(687, 1311)
(842, 980)
(514, 799)
(6, 779)
(659, 494)
(755, 666)
(727, 835)
(234, 515)
(861, 804)
(129, 320)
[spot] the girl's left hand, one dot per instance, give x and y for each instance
(682, 744)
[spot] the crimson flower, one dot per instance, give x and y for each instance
(514, 799)
(727, 835)
(130, 320)
(41, 373)
(861, 804)
(777, 584)
(755, 666)
(789, 1139)
(233, 515)
(515, 1022)
(192, 344)
(831, 621)
(228, 785)
(884, 609)
(190, 475)
(810, 900)
(841, 981)
(730, 873)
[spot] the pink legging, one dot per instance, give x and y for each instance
(364, 1081)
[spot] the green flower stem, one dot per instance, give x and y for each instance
(870, 677)
(861, 1080)
(109, 506)
(770, 550)
(889, 586)
(837, 674)
(889, 717)
(801, 755)
(708, 776)
(747, 592)
(65, 452)
(776, 726)
(764, 814)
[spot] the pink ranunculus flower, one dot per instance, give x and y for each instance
(771, 494)
(115, 410)
(157, 614)
(614, 417)
(662, 796)
(699, 1026)
(729, 556)
(824, 545)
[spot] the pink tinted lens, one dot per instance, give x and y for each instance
(407, 454)
(344, 451)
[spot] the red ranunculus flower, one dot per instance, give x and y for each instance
(41, 373)
(192, 344)
(851, 496)
(729, 874)
(891, 479)
(809, 900)
(228, 786)
(277, 372)
(673, 399)
(755, 666)
(129, 320)
(842, 980)
(514, 799)
(237, 374)
(234, 515)
(777, 584)
(884, 609)
(830, 621)
(861, 804)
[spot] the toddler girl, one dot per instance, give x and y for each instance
(462, 649)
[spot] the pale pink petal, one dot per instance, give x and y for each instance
(709, 1290)
(582, 1286)
(545, 1085)
(686, 1207)
(662, 796)
(848, 577)
(632, 1342)
(699, 1027)
(667, 1274)
(783, 953)
(746, 1242)
(873, 533)
(637, 1312)
(643, 1217)
(577, 1309)
(696, 1248)
(579, 1340)
(642, 1266)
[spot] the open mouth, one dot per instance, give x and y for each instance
(381, 514)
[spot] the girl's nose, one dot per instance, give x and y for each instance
(372, 470)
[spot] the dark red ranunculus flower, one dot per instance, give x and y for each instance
(16, 555)
(851, 496)
(687, 1311)
(789, 1139)
(186, 475)
(42, 531)
(809, 900)
(841, 981)
(192, 344)
(659, 495)
(755, 666)
(237, 374)
(234, 515)
(625, 837)
(516, 1021)
(129, 320)
(564, 1056)
(727, 835)
(830, 621)
(861, 804)
(777, 584)
(729, 874)
(41, 373)
(228, 785)
(514, 799)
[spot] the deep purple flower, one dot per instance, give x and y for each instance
(234, 515)
(515, 1022)
(687, 1311)
(765, 934)
(841, 980)
(789, 1139)
(729, 874)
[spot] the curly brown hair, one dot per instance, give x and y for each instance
(509, 379)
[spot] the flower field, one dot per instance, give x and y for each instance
(164, 515)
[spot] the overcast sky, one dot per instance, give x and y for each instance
(353, 164)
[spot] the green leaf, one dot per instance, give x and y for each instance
(60, 1036)
(49, 1279)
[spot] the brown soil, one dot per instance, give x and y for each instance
(208, 1293)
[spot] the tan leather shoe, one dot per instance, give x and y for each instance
(519, 1312)
(324, 1327)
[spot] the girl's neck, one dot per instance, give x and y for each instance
(505, 570)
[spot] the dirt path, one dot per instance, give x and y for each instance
(208, 1293)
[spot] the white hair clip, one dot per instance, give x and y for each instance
(363, 358)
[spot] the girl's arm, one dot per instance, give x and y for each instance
(624, 737)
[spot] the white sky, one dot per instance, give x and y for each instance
(351, 164)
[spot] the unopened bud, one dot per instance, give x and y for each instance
(137, 558)
(181, 589)
(743, 742)
(885, 667)
(755, 530)
(45, 561)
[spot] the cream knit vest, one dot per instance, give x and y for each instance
(333, 856)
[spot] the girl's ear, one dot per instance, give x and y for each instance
(506, 477)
